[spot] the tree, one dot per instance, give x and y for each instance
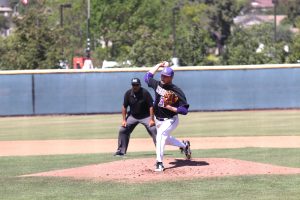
(143, 32)
(150, 48)
(151, 38)
(73, 32)
(221, 14)
(253, 46)
(4, 23)
(294, 56)
(293, 10)
(130, 32)
(34, 43)
(108, 23)
(194, 40)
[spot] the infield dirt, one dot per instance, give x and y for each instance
(142, 170)
(57, 147)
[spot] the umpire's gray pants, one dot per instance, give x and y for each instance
(124, 132)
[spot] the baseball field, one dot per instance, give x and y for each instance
(235, 155)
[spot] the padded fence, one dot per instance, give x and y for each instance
(16, 95)
(99, 91)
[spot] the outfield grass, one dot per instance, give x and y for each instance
(249, 123)
(272, 187)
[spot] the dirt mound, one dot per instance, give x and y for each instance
(142, 170)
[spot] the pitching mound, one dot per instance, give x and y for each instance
(142, 170)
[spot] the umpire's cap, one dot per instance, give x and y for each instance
(135, 81)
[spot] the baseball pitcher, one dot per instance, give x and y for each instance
(169, 102)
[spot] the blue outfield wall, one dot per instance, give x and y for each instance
(242, 89)
(16, 95)
(98, 91)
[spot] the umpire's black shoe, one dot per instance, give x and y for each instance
(119, 153)
(187, 150)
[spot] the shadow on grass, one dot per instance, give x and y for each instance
(181, 163)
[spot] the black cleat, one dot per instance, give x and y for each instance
(181, 149)
(159, 167)
(187, 150)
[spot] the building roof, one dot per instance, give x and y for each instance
(5, 9)
(262, 3)
(248, 20)
(4, 3)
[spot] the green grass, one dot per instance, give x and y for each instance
(249, 123)
(265, 187)
(234, 188)
(59, 127)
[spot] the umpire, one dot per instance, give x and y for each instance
(140, 103)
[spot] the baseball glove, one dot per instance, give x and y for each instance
(170, 98)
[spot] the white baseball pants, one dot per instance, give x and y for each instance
(163, 137)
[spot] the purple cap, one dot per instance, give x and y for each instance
(167, 71)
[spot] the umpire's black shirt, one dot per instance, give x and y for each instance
(139, 103)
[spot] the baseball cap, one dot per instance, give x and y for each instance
(167, 71)
(135, 81)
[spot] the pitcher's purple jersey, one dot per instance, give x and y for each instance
(160, 89)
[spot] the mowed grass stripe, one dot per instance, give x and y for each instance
(195, 124)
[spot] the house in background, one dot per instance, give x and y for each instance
(262, 4)
(256, 14)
